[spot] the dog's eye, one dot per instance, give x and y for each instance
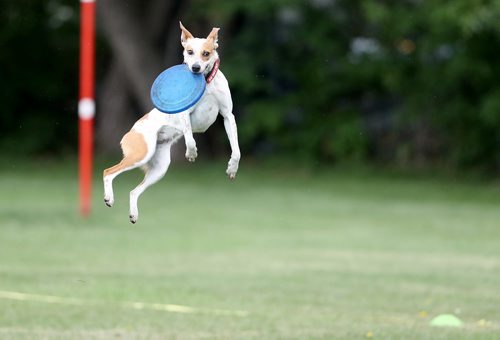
(205, 53)
(190, 52)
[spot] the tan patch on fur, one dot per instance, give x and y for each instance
(209, 47)
(210, 44)
(134, 150)
(112, 170)
(134, 146)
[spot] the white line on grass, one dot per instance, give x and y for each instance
(124, 304)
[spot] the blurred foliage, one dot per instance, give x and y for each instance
(401, 81)
(409, 82)
(38, 88)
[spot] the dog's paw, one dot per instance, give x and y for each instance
(231, 175)
(133, 218)
(191, 154)
(109, 201)
(232, 168)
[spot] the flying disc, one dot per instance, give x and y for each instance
(177, 89)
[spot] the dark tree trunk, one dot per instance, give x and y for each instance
(136, 39)
(132, 46)
(115, 110)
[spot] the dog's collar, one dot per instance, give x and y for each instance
(212, 73)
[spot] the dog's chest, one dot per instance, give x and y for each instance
(205, 113)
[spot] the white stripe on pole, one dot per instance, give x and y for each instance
(86, 108)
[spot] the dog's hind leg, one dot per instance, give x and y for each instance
(155, 169)
(137, 151)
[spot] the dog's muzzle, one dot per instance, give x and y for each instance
(196, 68)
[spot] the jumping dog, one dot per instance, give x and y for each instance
(147, 145)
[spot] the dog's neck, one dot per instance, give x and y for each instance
(211, 71)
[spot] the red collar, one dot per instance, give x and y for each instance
(212, 73)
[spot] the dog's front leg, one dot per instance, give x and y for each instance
(191, 151)
(232, 135)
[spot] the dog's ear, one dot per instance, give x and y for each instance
(185, 34)
(214, 36)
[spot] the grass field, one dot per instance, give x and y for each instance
(307, 254)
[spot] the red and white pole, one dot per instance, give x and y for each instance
(86, 104)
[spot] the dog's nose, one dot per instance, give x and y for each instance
(196, 68)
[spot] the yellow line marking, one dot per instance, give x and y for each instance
(124, 304)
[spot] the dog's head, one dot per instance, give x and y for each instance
(200, 54)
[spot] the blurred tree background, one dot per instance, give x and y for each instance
(411, 83)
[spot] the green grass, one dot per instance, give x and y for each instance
(308, 254)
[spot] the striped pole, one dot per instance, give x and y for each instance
(86, 104)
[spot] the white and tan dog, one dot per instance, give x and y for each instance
(147, 144)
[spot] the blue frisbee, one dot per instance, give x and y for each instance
(177, 89)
